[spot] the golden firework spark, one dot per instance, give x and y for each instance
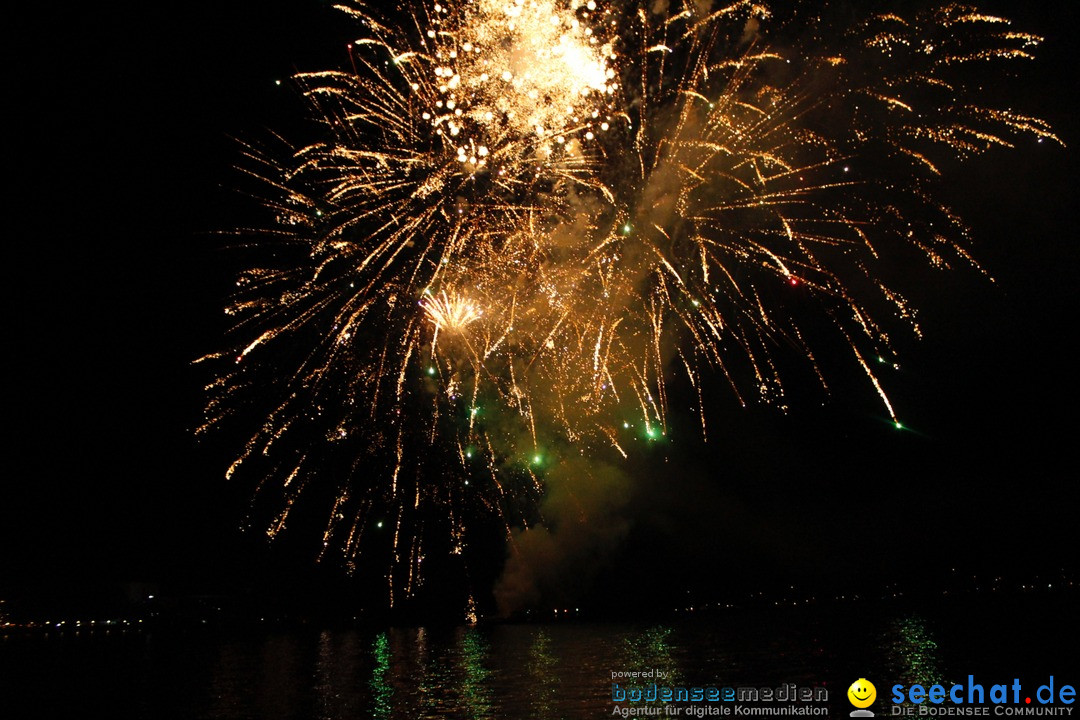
(607, 191)
(451, 312)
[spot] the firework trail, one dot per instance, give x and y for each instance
(523, 215)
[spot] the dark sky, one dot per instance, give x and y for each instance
(119, 121)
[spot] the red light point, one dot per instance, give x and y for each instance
(1027, 700)
(794, 281)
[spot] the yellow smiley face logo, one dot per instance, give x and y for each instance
(862, 693)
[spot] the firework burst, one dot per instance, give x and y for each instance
(523, 214)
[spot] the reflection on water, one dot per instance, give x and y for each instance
(650, 650)
(518, 672)
(543, 673)
(475, 693)
(535, 672)
(382, 693)
(912, 653)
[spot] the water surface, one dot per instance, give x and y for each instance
(518, 672)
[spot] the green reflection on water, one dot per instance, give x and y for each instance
(474, 689)
(543, 673)
(912, 653)
(381, 690)
(651, 650)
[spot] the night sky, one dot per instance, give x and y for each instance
(121, 119)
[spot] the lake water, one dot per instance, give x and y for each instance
(519, 671)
